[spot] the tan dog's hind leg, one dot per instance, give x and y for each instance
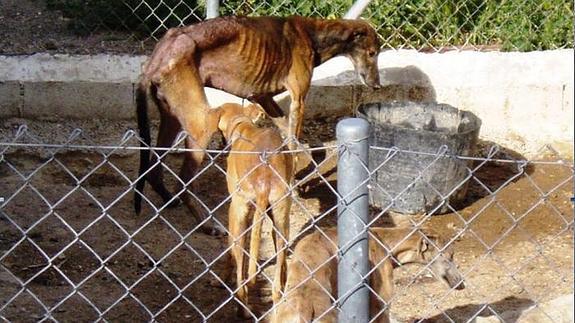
(255, 237)
(280, 216)
(238, 218)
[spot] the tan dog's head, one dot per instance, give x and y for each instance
(424, 247)
(362, 50)
(442, 265)
(229, 115)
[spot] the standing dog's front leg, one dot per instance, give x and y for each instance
(295, 117)
(297, 84)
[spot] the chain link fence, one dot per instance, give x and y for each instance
(72, 248)
(134, 26)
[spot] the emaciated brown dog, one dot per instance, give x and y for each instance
(258, 174)
(312, 299)
(251, 57)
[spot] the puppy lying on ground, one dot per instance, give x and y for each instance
(308, 299)
(255, 179)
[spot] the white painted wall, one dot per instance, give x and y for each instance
(525, 100)
(65, 68)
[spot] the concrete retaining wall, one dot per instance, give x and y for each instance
(525, 100)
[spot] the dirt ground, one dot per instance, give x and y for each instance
(80, 234)
(69, 234)
(28, 27)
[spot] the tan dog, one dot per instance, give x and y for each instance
(310, 299)
(251, 57)
(260, 179)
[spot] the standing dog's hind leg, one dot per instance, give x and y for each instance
(169, 128)
(189, 169)
(183, 91)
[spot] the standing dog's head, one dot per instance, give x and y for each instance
(363, 49)
(353, 38)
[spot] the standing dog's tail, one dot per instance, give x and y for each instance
(144, 130)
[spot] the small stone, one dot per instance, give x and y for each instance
(50, 45)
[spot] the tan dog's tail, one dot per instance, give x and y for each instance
(255, 237)
(144, 130)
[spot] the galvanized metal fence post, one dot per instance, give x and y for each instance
(212, 8)
(356, 9)
(352, 215)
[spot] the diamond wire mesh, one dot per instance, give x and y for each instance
(432, 25)
(72, 247)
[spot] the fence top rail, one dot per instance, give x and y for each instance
(521, 162)
(24, 139)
